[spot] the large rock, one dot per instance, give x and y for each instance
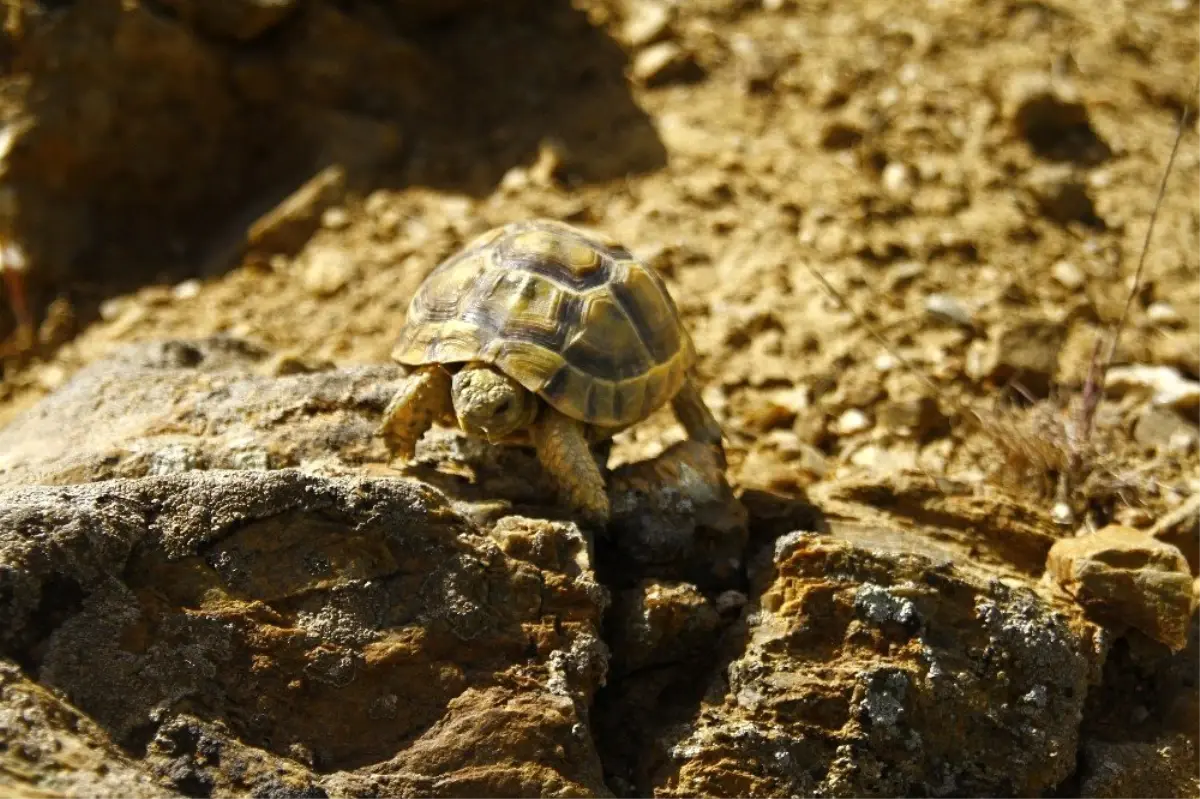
(175, 406)
(860, 670)
(257, 627)
(277, 610)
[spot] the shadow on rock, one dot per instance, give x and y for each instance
(144, 140)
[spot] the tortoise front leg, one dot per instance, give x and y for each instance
(422, 400)
(696, 418)
(563, 450)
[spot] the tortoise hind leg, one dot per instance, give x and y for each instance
(563, 450)
(423, 399)
(696, 418)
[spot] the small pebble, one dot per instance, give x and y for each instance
(327, 270)
(1160, 313)
(1167, 387)
(659, 63)
(852, 421)
(186, 290)
(515, 179)
(945, 307)
(1068, 275)
(730, 600)
(111, 309)
(52, 377)
(647, 22)
(550, 167)
(335, 218)
(897, 179)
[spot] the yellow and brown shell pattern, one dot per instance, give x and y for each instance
(571, 317)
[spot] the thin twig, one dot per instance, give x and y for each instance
(1137, 275)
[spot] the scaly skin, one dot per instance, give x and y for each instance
(563, 450)
(422, 400)
(490, 404)
(696, 418)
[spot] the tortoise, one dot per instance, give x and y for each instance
(538, 332)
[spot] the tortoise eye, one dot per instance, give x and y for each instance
(503, 407)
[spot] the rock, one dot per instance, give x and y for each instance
(154, 140)
(1161, 313)
(347, 635)
(648, 21)
(70, 180)
(898, 180)
(326, 269)
(863, 669)
(1003, 536)
(775, 512)
(1164, 385)
(658, 623)
(163, 407)
(1127, 577)
(1163, 767)
(676, 518)
(1181, 528)
(851, 421)
(1068, 275)
(242, 20)
(787, 471)
(550, 168)
(1025, 351)
(662, 63)
(950, 309)
(548, 545)
(335, 218)
(918, 417)
(1177, 350)
(757, 67)
(1047, 113)
(48, 748)
(1061, 195)
(662, 630)
(286, 228)
(1162, 430)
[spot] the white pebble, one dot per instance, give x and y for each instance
(335, 218)
(1160, 313)
(186, 290)
(897, 179)
(327, 270)
(852, 421)
(1068, 275)
(949, 308)
(1166, 386)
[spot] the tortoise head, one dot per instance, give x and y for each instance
(490, 404)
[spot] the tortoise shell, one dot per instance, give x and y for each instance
(571, 316)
